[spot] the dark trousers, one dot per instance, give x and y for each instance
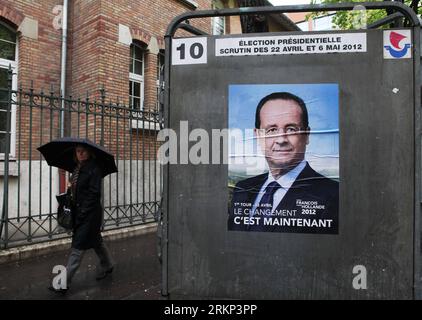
(75, 259)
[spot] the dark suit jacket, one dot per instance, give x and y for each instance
(312, 195)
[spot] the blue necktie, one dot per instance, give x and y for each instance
(268, 197)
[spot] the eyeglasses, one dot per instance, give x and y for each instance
(273, 131)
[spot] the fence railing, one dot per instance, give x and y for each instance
(28, 186)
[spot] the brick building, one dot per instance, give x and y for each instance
(117, 45)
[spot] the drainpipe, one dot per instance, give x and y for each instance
(62, 174)
(63, 65)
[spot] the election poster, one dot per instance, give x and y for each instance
(283, 171)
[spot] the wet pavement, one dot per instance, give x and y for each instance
(137, 274)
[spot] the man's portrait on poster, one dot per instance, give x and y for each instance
(292, 196)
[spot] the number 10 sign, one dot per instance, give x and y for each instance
(189, 51)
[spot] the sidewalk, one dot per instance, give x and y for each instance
(137, 274)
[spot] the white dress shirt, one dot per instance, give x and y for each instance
(285, 181)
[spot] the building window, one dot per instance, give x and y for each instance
(218, 23)
(8, 54)
(136, 76)
(7, 43)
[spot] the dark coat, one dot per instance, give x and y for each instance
(310, 186)
(88, 213)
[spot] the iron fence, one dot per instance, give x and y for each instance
(29, 186)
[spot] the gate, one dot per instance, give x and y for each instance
(29, 186)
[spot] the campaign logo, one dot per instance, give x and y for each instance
(397, 44)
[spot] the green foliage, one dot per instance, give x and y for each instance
(348, 19)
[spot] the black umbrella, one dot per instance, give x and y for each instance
(61, 153)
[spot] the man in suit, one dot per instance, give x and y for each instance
(291, 197)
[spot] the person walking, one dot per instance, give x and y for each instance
(85, 189)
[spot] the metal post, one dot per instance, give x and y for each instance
(130, 163)
(63, 65)
(50, 173)
(117, 163)
(102, 92)
(42, 96)
(31, 117)
(418, 154)
(103, 97)
(110, 123)
(5, 209)
(18, 198)
(165, 209)
(86, 114)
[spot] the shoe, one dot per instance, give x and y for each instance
(61, 291)
(104, 273)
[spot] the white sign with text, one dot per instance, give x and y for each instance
(293, 44)
(189, 51)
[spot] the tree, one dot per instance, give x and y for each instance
(349, 19)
